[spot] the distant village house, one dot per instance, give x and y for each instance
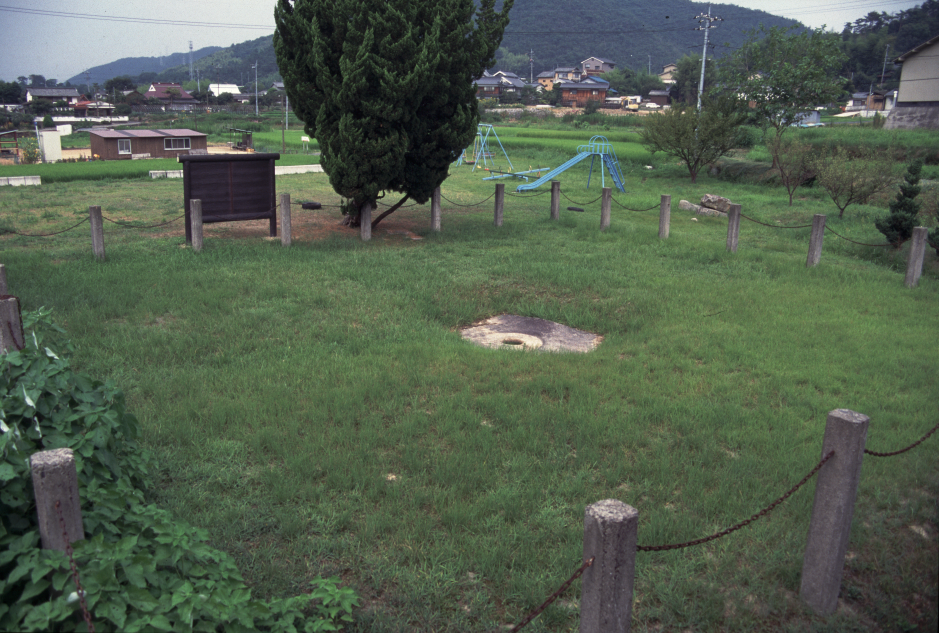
(128, 144)
(597, 65)
(53, 95)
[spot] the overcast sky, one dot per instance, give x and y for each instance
(60, 39)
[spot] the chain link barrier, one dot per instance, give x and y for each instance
(526, 195)
(71, 561)
(554, 596)
(5, 230)
(583, 204)
(776, 226)
(828, 228)
(761, 513)
(476, 204)
(124, 225)
(903, 450)
(654, 206)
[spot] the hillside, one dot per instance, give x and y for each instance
(565, 32)
(626, 33)
(134, 66)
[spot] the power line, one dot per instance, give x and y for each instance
(106, 18)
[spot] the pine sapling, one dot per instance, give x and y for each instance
(898, 226)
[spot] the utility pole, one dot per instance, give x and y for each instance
(884, 71)
(650, 64)
(255, 87)
(190, 60)
(531, 66)
(707, 21)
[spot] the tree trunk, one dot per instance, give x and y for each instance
(394, 208)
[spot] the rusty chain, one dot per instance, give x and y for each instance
(775, 226)
(580, 203)
(15, 232)
(554, 596)
(134, 226)
(828, 228)
(476, 204)
(761, 513)
(71, 562)
(903, 450)
(630, 209)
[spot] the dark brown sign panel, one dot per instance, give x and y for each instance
(232, 188)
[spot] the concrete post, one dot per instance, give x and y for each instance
(555, 199)
(97, 232)
(830, 526)
(195, 218)
(914, 265)
(435, 210)
(55, 480)
(606, 203)
(365, 222)
(286, 236)
(815, 242)
(606, 601)
(665, 216)
(733, 227)
(3, 280)
(11, 325)
(500, 204)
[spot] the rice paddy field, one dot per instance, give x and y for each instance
(317, 411)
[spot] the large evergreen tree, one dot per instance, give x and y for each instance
(386, 87)
(898, 226)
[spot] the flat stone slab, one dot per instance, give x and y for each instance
(509, 331)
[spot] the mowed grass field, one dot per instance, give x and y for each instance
(316, 409)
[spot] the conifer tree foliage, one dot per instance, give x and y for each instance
(898, 226)
(386, 87)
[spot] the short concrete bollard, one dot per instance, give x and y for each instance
(55, 480)
(733, 227)
(815, 242)
(3, 280)
(11, 325)
(365, 222)
(555, 199)
(665, 216)
(97, 232)
(286, 235)
(914, 266)
(195, 217)
(606, 204)
(610, 535)
(500, 204)
(435, 210)
(833, 509)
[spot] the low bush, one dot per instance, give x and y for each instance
(139, 567)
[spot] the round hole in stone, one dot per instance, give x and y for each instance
(512, 341)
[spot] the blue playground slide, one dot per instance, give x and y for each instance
(598, 146)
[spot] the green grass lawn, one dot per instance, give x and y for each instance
(316, 409)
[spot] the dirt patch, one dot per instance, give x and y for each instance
(307, 226)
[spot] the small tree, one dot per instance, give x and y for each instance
(29, 152)
(850, 180)
(386, 87)
(898, 226)
(795, 163)
(782, 73)
(173, 94)
(698, 138)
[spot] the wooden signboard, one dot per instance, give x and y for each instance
(232, 188)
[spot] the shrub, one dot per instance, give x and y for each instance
(591, 107)
(29, 152)
(852, 180)
(139, 567)
(47, 122)
(898, 226)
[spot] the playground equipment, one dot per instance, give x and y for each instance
(597, 146)
(482, 153)
(517, 174)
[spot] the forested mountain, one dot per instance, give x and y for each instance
(134, 66)
(566, 32)
(865, 41)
